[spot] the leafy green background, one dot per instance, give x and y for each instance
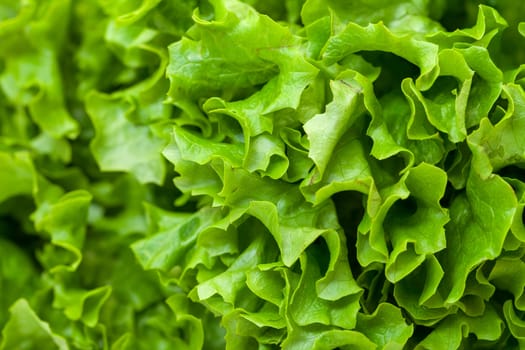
(262, 174)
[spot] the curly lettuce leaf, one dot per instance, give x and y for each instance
(25, 330)
(340, 175)
(481, 216)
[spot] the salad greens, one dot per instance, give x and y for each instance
(262, 174)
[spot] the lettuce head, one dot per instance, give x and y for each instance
(262, 174)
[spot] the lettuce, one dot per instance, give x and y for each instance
(297, 174)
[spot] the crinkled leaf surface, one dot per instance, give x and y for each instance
(262, 174)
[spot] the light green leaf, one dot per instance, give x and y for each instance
(25, 330)
(378, 37)
(386, 327)
(65, 221)
(325, 130)
(120, 145)
(450, 332)
(496, 146)
(16, 174)
(82, 305)
(417, 232)
(479, 221)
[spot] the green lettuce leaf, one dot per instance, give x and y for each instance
(249, 174)
(25, 330)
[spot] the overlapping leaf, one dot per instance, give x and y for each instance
(261, 174)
